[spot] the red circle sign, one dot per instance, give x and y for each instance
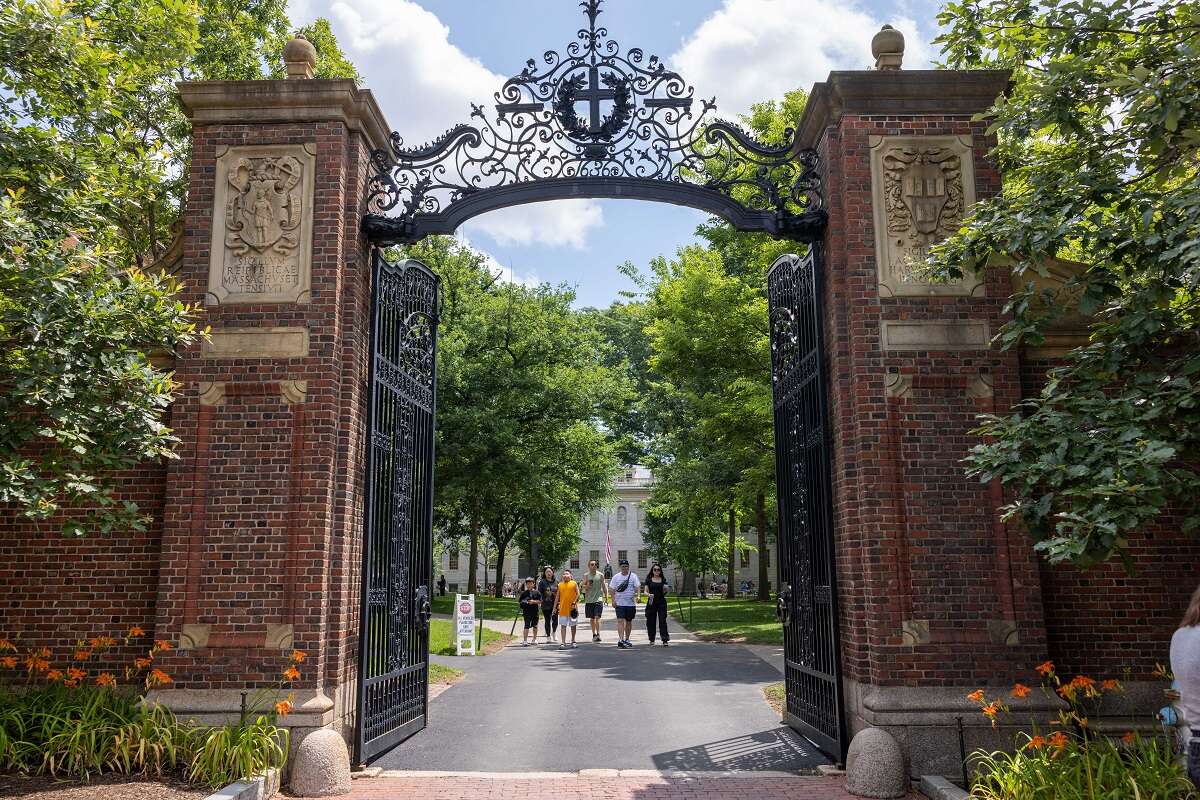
(464, 608)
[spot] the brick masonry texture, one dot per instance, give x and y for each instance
(568, 786)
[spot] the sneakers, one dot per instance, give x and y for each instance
(524, 644)
(622, 644)
(665, 644)
(595, 638)
(573, 645)
(563, 646)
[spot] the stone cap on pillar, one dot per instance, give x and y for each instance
(254, 102)
(898, 92)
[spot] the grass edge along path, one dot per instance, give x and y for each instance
(775, 695)
(441, 639)
(497, 608)
(441, 674)
(737, 621)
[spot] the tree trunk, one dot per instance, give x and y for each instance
(500, 548)
(689, 582)
(473, 567)
(730, 592)
(760, 521)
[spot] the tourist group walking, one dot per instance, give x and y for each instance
(551, 603)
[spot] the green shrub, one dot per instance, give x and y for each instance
(233, 752)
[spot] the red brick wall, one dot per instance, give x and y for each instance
(915, 536)
(1109, 622)
(56, 591)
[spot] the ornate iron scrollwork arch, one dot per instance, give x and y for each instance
(657, 141)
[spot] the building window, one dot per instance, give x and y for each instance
(642, 559)
(594, 555)
(453, 560)
(745, 558)
(454, 588)
(622, 518)
(596, 518)
(622, 555)
(575, 562)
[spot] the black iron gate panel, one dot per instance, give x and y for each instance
(393, 677)
(807, 601)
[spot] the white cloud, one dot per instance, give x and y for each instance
(752, 50)
(506, 274)
(562, 223)
(425, 85)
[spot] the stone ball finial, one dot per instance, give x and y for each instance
(888, 48)
(300, 57)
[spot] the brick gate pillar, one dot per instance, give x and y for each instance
(937, 597)
(260, 547)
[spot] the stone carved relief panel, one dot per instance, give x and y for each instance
(262, 224)
(922, 187)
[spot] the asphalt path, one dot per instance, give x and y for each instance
(694, 706)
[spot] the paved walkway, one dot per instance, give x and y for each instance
(572, 786)
(695, 706)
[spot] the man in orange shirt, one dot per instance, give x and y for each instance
(568, 610)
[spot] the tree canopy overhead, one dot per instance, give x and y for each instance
(1098, 143)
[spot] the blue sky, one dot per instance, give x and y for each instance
(426, 61)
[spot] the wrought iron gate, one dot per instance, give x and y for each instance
(393, 677)
(807, 600)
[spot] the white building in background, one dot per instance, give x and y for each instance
(625, 520)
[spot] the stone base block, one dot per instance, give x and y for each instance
(322, 765)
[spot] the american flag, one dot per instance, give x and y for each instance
(607, 539)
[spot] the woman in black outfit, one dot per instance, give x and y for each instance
(656, 604)
(548, 587)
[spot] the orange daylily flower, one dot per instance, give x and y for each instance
(298, 656)
(7, 647)
(142, 662)
(106, 679)
(83, 654)
(283, 708)
(1058, 740)
(76, 674)
(992, 709)
(976, 696)
(162, 644)
(9, 661)
(157, 678)
(1110, 685)
(1021, 690)
(291, 674)
(1045, 668)
(38, 660)
(1037, 742)
(100, 642)
(135, 632)
(54, 675)
(1129, 738)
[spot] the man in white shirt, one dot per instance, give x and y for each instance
(624, 588)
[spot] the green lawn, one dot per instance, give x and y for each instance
(441, 638)
(724, 620)
(440, 674)
(503, 608)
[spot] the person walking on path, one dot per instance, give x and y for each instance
(1185, 664)
(548, 588)
(530, 601)
(595, 595)
(656, 604)
(568, 608)
(442, 585)
(624, 586)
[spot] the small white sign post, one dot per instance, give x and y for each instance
(464, 623)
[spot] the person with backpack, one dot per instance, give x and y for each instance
(548, 588)
(568, 608)
(595, 595)
(624, 587)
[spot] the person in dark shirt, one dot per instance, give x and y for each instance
(441, 586)
(548, 588)
(656, 604)
(530, 601)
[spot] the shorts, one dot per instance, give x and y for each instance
(593, 610)
(566, 621)
(626, 612)
(531, 620)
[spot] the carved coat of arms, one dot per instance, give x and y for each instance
(263, 239)
(923, 189)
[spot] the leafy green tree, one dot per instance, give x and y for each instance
(1098, 140)
(522, 383)
(93, 150)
